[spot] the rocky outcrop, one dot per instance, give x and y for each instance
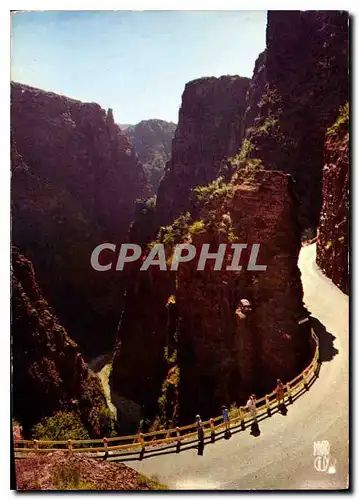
(332, 242)
(216, 336)
(238, 330)
(152, 140)
(209, 130)
(49, 372)
(304, 73)
(255, 91)
(75, 179)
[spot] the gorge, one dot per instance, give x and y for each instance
(259, 161)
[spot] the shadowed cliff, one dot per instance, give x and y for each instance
(75, 179)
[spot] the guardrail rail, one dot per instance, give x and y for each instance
(123, 445)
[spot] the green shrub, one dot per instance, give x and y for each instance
(246, 149)
(246, 171)
(343, 118)
(214, 191)
(144, 206)
(170, 359)
(101, 419)
(150, 482)
(60, 427)
(174, 233)
(197, 227)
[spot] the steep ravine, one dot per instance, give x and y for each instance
(246, 166)
(49, 371)
(265, 140)
(102, 366)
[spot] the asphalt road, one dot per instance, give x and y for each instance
(282, 456)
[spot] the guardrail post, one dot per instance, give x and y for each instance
(142, 443)
(36, 444)
(105, 444)
(69, 444)
(289, 392)
(213, 432)
(317, 367)
(241, 416)
(305, 380)
(268, 405)
(178, 444)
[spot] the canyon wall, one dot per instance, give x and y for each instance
(301, 81)
(49, 372)
(139, 364)
(333, 240)
(184, 338)
(75, 179)
(209, 130)
(238, 330)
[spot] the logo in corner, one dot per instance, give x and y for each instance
(323, 461)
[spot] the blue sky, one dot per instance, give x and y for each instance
(136, 63)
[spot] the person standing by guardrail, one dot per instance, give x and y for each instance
(200, 431)
(225, 416)
(251, 406)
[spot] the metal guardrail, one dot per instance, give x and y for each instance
(176, 435)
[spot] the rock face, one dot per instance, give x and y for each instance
(304, 77)
(332, 243)
(152, 140)
(209, 130)
(75, 179)
(193, 328)
(139, 363)
(255, 91)
(49, 372)
(238, 330)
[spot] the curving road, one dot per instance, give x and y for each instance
(281, 457)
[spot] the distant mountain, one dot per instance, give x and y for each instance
(124, 126)
(152, 141)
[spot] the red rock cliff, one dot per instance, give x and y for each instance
(300, 81)
(224, 351)
(212, 351)
(332, 243)
(48, 369)
(74, 188)
(209, 130)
